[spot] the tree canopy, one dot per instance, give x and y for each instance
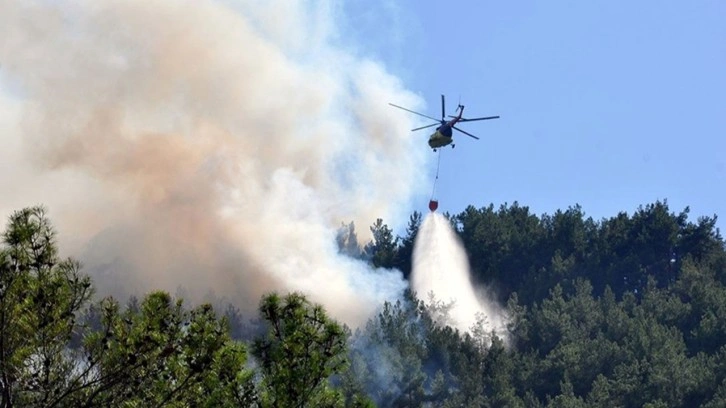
(626, 311)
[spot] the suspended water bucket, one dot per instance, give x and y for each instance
(433, 205)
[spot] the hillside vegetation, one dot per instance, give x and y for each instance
(627, 311)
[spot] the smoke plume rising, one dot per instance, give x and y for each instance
(204, 145)
(441, 268)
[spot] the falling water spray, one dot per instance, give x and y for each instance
(441, 270)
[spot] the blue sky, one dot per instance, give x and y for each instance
(609, 104)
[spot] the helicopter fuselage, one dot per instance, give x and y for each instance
(442, 137)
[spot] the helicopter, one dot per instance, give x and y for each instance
(443, 134)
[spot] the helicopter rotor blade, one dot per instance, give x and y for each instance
(473, 119)
(424, 127)
(484, 118)
(409, 110)
(443, 112)
(466, 133)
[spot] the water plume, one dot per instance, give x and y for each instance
(205, 144)
(441, 278)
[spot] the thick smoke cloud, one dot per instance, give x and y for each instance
(206, 145)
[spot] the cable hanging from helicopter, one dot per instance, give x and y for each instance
(433, 202)
(443, 135)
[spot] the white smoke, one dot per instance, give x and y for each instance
(205, 145)
(441, 269)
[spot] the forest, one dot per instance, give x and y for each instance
(626, 311)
